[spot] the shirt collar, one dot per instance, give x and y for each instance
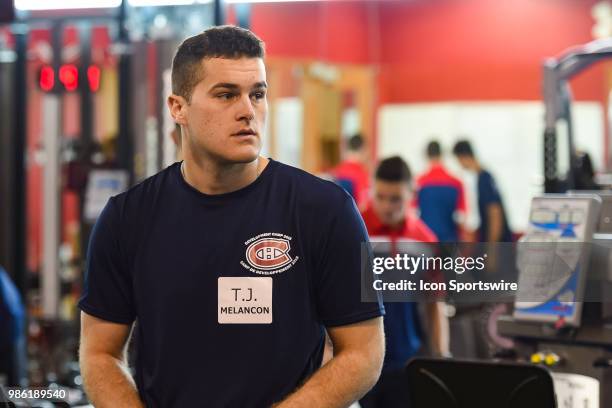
(376, 226)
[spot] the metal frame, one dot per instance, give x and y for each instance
(20, 137)
(557, 103)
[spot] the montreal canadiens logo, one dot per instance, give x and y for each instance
(269, 253)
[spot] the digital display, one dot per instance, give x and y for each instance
(543, 216)
(565, 216)
(552, 277)
(577, 217)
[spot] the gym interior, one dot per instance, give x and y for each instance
(521, 88)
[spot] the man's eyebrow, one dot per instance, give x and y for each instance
(231, 86)
(224, 85)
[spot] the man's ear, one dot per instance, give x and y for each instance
(177, 106)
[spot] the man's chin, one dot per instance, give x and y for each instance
(243, 157)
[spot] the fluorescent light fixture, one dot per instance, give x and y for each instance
(152, 3)
(270, 1)
(65, 4)
(141, 3)
(88, 4)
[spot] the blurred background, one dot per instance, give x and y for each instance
(83, 85)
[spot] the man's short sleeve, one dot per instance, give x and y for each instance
(339, 274)
(488, 192)
(107, 290)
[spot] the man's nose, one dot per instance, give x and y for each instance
(245, 111)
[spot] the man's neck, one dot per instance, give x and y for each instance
(474, 166)
(397, 226)
(211, 178)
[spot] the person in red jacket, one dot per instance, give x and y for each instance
(388, 215)
(352, 173)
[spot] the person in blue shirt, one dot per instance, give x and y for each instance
(493, 221)
(232, 265)
(493, 229)
(440, 197)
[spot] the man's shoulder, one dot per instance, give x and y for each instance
(136, 197)
(440, 176)
(310, 189)
(349, 167)
(485, 175)
(486, 181)
(452, 177)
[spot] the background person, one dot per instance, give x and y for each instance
(493, 221)
(440, 197)
(352, 173)
(388, 216)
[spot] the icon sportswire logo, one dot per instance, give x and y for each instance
(269, 253)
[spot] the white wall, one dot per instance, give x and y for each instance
(507, 138)
(289, 113)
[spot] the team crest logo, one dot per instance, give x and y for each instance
(269, 253)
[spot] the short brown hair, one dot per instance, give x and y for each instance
(216, 42)
(434, 151)
(393, 169)
(463, 148)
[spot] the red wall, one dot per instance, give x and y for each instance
(433, 50)
(331, 31)
(440, 50)
(480, 49)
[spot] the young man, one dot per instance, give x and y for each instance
(232, 264)
(440, 197)
(388, 216)
(493, 228)
(493, 221)
(352, 173)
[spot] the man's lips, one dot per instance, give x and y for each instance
(245, 132)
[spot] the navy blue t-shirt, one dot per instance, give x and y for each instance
(230, 292)
(489, 194)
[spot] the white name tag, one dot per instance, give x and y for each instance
(245, 300)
